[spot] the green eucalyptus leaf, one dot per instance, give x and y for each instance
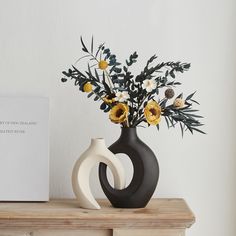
(186, 66)
(117, 70)
(66, 73)
(107, 88)
(99, 48)
(97, 76)
(90, 95)
(97, 89)
(76, 82)
(172, 74)
(107, 109)
(189, 128)
(177, 83)
(96, 98)
(194, 101)
(180, 95)
(84, 47)
(197, 116)
(107, 50)
(103, 106)
(167, 122)
(171, 121)
(182, 129)
(190, 96)
(198, 130)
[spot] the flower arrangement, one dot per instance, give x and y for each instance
(131, 100)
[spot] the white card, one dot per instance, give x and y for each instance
(24, 149)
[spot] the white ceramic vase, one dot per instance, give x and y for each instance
(96, 153)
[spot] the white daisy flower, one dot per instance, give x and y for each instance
(149, 84)
(122, 96)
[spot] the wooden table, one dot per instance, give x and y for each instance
(162, 217)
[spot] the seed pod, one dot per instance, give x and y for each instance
(169, 93)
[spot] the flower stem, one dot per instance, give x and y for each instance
(136, 117)
(97, 95)
(109, 80)
(127, 121)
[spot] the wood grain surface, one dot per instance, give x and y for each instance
(65, 214)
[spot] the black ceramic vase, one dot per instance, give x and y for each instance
(146, 172)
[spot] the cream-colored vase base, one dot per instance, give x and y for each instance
(97, 152)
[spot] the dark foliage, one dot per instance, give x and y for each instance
(116, 78)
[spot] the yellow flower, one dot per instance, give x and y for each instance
(179, 103)
(119, 113)
(152, 113)
(109, 99)
(102, 65)
(88, 87)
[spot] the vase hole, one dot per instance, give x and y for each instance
(128, 166)
(110, 177)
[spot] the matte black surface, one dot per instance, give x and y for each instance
(146, 172)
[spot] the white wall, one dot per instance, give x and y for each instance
(39, 39)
